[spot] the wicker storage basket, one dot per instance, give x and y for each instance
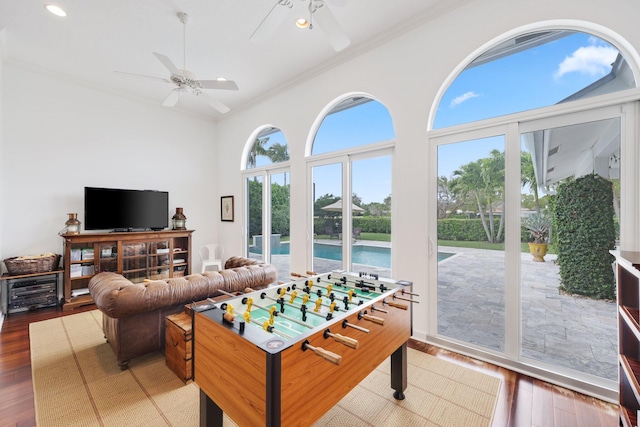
(32, 264)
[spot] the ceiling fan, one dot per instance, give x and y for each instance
(317, 10)
(186, 82)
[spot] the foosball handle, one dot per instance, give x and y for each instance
(375, 319)
(248, 290)
(321, 352)
(312, 273)
(397, 305)
(348, 341)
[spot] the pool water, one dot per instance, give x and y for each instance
(362, 254)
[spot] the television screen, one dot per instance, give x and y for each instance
(118, 209)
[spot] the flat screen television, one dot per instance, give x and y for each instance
(125, 210)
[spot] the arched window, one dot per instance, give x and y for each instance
(268, 147)
(268, 201)
(531, 71)
(351, 160)
(353, 122)
(526, 135)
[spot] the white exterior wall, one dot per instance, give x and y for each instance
(406, 74)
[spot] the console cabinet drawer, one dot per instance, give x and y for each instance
(178, 345)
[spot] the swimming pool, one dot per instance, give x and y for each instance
(362, 254)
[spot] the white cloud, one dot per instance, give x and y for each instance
(591, 60)
(462, 98)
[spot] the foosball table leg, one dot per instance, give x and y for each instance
(399, 371)
(210, 414)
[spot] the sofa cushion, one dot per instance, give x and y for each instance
(118, 297)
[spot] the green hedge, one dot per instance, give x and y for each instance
(470, 230)
(448, 229)
(584, 234)
(368, 224)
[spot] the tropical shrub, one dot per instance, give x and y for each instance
(585, 233)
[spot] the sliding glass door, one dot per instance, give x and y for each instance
(471, 231)
(269, 208)
(501, 192)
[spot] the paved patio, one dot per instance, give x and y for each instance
(563, 330)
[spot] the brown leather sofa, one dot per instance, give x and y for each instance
(133, 314)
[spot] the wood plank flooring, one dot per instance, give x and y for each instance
(523, 401)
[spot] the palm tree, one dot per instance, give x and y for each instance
(257, 150)
(528, 177)
(278, 153)
(483, 182)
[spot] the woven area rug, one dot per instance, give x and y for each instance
(77, 382)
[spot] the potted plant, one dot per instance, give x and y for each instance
(539, 226)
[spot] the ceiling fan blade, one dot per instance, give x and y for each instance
(167, 63)
(142, 75)
(173, 97)
(214, 103)
(218, 84)
(272, 21)
(330, 27)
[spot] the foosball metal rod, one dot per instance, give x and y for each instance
(268, 328)
(267, 310)
(361, 282)
(406, 299)
(381, 310)
(313, 301)
(229, 317)
(340, 284)
(345, 323)
(264, 295)
(321, 352)
(342, 291)
(348, 341)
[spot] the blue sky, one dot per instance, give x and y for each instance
(537, 77)
(534, 78)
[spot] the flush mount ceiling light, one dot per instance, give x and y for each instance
(302, 23)
(56, 10)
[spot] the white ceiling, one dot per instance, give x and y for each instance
(99, 37)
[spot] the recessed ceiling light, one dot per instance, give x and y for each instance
(221, 79)
(302, 23)
(56, 10)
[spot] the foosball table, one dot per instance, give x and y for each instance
(287, 354)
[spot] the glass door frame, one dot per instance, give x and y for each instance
(345, 159)
(623, 105)
(266, 174)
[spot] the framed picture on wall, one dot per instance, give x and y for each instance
(226, 208)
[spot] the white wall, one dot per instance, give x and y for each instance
(60, 137)
(405, 74)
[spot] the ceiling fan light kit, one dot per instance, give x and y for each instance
(186, 82)
(318, 12)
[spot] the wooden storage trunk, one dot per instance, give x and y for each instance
(179, 342)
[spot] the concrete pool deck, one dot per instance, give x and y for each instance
(563, 330)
